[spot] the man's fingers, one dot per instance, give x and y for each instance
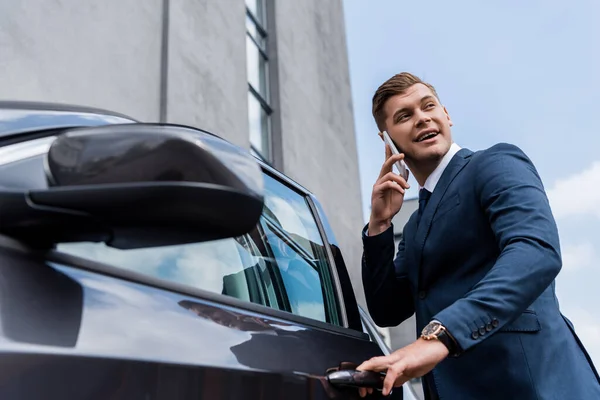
(390, 159)
(362, 392)
(376, 364)
(390, 176)
(388, 383)
(392, 375)
(390, 185)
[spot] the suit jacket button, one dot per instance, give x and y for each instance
(489, 327)
(495, 323)
(482, 331)
(475, 335)
(422, 294)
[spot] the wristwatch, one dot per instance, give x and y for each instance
(435, 330)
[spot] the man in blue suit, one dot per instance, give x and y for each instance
(476, 263)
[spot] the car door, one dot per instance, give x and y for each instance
(262, 316)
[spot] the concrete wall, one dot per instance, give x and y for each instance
(319, 146)
(207, 84)
(109, 54)
(88, 53)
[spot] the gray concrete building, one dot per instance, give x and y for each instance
(271, 76)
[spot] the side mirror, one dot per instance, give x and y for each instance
(138, 185)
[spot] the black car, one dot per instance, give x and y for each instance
(157, 261)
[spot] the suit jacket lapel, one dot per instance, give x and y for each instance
(455, 165)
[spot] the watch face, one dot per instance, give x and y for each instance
(431, 329)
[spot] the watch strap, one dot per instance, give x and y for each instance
(449, 342)
(446, 338)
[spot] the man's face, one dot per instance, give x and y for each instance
(419, 125)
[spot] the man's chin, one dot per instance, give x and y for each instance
(436, 151)
(432, 154)
(426, 160)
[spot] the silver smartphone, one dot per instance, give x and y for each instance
(400, 165)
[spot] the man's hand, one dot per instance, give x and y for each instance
(387, 195)
(412, 361)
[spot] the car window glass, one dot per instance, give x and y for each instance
(203, 265)
(300, 278)
(289, 211)
(280, 264)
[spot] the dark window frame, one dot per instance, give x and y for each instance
(329, 289)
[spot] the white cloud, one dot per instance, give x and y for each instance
(201, 265)
(578, 194)
(313, 310)
(146, 261)
(204, 265)
(577, 256)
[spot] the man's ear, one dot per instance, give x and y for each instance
(448, 116)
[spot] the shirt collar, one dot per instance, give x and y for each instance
(435, 176)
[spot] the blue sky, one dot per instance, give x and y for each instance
(519, 72)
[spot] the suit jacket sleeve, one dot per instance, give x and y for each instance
(513, 198)
(386, 285)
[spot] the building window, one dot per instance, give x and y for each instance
(259, 106)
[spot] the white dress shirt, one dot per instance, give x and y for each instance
(435, 176)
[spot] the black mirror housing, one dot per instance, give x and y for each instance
(139, 185)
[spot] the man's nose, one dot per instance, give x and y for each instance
(422, 118)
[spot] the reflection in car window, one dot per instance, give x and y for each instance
(289, 211)
(280, 264)
(177, 263)
(300, 276)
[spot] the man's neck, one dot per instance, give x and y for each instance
(423, 170)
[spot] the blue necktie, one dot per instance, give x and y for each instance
(424, 196)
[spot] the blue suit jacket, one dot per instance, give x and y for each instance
(482, 261)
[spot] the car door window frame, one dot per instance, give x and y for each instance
(333, 277)
(329, 289)
(333, 273)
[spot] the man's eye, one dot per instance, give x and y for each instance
(429, 106)
(402, 117)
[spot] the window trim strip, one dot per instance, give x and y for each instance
(341, 305)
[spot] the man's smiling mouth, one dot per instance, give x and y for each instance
(426, 136)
